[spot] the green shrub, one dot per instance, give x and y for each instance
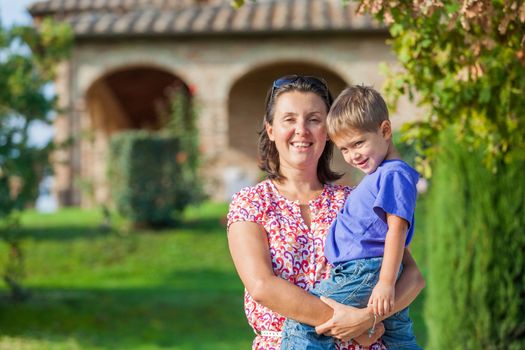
(476, 282)
(406, 150)
(146, 180)
(181, 123)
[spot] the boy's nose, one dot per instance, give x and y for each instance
(356, 156)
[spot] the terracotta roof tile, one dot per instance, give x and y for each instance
(184, 17)
(222, 19)
(163, 22)
(261, 17)
(280, 18)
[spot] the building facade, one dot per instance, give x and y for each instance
(129, 53)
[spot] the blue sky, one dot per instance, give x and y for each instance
(15, 12)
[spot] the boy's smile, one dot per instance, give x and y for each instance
(365, 150)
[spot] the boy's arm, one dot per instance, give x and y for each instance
(382, 298)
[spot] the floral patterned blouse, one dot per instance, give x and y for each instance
(297, 251)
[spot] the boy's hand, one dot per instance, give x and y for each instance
(382, 298)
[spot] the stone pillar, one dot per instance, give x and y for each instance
(63, 173)
(79, 148)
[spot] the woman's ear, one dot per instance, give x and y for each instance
(386, 129)
(269, 131)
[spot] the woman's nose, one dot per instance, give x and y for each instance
(300, 128)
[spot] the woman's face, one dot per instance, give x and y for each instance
(299, 129)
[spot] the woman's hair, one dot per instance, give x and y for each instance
(268, 154)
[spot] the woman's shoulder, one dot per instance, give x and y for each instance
(250, 203)
(259, 190)
(260, 195)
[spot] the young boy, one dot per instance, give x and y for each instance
(366, 241)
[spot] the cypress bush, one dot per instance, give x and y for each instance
(145, 178)
(476, 255)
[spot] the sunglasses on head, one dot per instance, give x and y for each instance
(290, 79)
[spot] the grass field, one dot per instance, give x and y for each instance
(93, 289)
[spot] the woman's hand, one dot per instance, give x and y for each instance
(347, 322)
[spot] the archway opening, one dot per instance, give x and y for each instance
(129, 98)
(132, 98)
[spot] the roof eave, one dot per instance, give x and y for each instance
(227, 34)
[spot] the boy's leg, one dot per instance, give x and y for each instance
(349, 284)
(399, 334)
(299, 336)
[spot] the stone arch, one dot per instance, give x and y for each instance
(130, 97)
(246, 107)
(111, 64)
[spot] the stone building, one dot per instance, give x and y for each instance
(128, 52)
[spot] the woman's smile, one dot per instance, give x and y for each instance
(301, 146)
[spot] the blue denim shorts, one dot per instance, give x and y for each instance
(351, 283)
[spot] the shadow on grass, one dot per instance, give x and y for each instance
(207, 225)
(64, 233)
(59, 233)
(179, 317)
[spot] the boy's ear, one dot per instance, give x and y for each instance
(386, 129)
(269, 131)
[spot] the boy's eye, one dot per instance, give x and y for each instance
(358, 143)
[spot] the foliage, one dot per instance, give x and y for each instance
(28, 57)
(464, 62)
(476, 252)
(406, 150)
(27, 61)
(146, 181)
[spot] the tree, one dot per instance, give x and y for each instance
(28, 57)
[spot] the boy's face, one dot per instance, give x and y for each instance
(365, 150)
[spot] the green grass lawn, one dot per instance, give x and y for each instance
(169, 289)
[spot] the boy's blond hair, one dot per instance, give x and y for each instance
(357, 107)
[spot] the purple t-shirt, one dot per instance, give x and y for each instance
(359, 231)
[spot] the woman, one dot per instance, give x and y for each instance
(276, 229)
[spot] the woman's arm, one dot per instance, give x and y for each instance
(408, 286)
(251, 255)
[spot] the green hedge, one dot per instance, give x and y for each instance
(476, 229)
(145, 178)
